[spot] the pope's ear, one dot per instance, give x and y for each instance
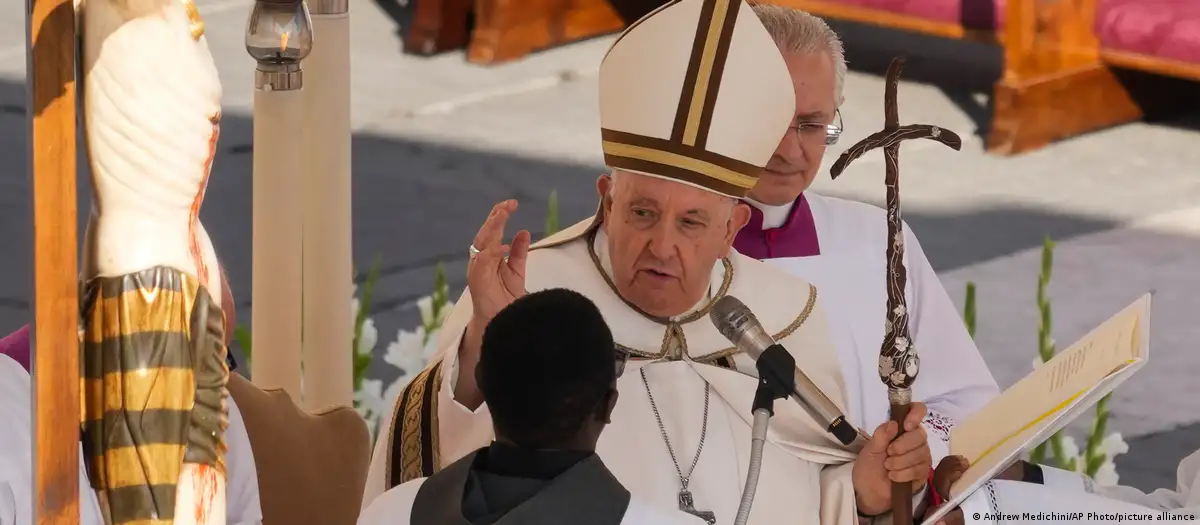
(604, 185)
(604, 188)
(738, 218)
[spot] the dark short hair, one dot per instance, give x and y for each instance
(546, 364)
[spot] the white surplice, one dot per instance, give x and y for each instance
(1076, 495)
(805, 477)
(16, 452)
(16, 460)
(394, 507)
(850, 273)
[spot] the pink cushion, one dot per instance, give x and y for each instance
(1168, 29)
(971, 14)
(16, 346)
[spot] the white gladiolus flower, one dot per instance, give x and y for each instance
(368, 338)
(1107, 474)
(425, 306)
(408, 351)
(1071, 451)
(1113, 445)
(371, 402)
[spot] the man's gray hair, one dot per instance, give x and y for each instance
(797, 31)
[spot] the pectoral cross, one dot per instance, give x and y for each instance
(686, 504)
(898, 361)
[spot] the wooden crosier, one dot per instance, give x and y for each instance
(898, 361)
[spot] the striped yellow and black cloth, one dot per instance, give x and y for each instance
(153, 389)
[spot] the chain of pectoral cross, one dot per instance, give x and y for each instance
(898, 362)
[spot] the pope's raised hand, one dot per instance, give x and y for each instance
(496, 273)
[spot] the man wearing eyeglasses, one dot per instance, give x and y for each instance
(838, 245)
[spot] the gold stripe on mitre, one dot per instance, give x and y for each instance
(689, 164)
(714, 32)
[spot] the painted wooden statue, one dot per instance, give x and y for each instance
(153, 353)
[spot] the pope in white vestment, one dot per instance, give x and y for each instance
(839, 246)
(16, 460)
(693, 99)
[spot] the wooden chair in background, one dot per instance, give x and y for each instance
(312, 468)
(497, 31)
(1059, 55)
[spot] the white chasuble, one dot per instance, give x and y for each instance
(850, 273)
(806, 474)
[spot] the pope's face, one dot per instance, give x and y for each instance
(797, 160)
(664, 238)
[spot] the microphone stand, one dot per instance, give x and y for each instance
(772, 385)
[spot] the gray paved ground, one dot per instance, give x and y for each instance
(438, 141)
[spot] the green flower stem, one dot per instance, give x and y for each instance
(1092, 455)
(1046, 346)
(969, 309)
(363, 362)
(552, 214)
(440, 297)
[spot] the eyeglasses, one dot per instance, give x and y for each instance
(622, 358)
(831, 132)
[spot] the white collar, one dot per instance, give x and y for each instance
(773, 216)
(600, 245)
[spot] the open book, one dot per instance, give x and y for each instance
(1048, 399)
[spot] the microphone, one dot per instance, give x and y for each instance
(735, 321)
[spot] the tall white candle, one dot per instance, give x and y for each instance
(328, 262)
(277, 252)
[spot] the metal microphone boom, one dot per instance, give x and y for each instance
(778, 378)
(737, 323)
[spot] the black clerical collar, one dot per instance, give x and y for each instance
(503, 459)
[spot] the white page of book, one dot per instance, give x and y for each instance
(1049, 399)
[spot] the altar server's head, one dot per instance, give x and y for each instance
(548, 371)
(694, 98)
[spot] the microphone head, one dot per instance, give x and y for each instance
(737, 323)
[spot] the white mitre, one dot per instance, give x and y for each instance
(696, 92)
